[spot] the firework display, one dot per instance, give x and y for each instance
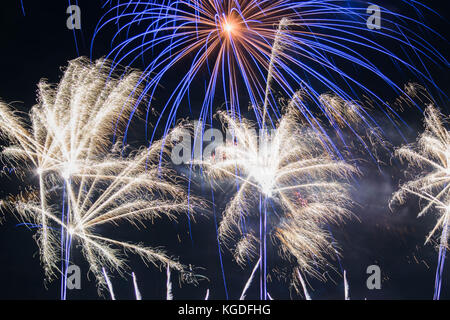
(225, 149)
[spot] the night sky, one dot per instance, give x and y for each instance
(38, 44)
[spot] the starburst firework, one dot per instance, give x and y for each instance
(289, 169)
(68, 146)
(238, 46)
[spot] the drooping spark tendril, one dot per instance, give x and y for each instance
(290, 169)
(431, 154)
(67, 146)
(229, 45)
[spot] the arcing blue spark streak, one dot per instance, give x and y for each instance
(229, 44)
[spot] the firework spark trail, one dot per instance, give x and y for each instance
(68, 145)
(233, 41)
(441, 262)
(169, 295)
(249, 281)
(292, 169)
(275, 52)
(108, 282)
(23, 8)
(303, 284)
(346, 287)
(263, 248)
(137, 293)
(431, 154)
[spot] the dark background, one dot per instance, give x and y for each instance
(38, 44)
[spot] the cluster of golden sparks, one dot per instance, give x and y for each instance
(67, 145)
(431, 154)
(289, 166)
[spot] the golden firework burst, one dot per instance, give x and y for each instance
(290, 167)
(431, 153)
(67, 146)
